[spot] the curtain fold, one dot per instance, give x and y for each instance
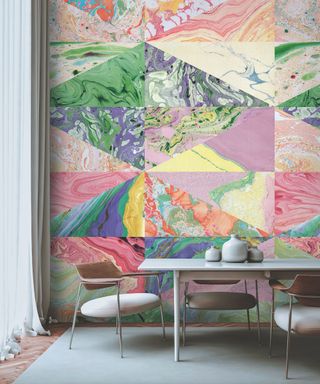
(18, 312)
(40, 151)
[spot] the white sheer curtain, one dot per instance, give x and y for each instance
(17, 304)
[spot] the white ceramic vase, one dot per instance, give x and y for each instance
(234, 250)
(213, 254)
(255, 255)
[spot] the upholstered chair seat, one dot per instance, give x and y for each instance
(130, 303)
(305, 320)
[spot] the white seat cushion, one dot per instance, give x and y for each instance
(304, 319)
(221, 300)
(130, 303)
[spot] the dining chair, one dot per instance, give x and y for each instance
(106, 274)
(300, 317)
(220, 301)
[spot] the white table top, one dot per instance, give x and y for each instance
(202, 265)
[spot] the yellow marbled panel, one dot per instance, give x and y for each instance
(201, 158)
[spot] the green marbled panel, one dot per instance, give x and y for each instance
(310, 228)
(117, 82)
(310, 98)
(71, 59)
(284, 250)
(175, 130)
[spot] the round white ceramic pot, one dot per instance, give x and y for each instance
(213, 254)
(234, 250)
(255, 255)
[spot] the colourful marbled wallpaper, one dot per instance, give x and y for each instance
(175, 123)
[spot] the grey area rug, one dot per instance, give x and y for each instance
(212, 355)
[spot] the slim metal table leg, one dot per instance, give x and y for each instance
(176, 298)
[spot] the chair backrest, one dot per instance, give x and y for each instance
(306, 288)
(101, 270)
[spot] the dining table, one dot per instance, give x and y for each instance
(185, 270)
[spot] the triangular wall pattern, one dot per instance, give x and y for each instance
(117, 131)
(115, 212)
(172, 82)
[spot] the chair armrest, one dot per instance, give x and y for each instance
(101, 280)
(141, 274)
(275, 284)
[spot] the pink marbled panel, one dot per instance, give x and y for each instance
(127, 253)
(71, 188)
(297, 145)
(297, 199)
(250, 142)
(267, 247)
(198, 184)
(210, 20)
(309, 245)
(297, 20)
(69, 154)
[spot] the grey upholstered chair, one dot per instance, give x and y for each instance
(106, 274)
(220, 301)
(301, 317)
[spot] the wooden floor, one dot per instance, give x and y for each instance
(33, 347)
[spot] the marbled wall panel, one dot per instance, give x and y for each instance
(297, 199)
(296, 74)
(246, 66)
(164, 130)
(175, 83)
(115, 212)
(117, 82)
(246, 196)
(171, 131)
(69, 189)
(117, 131)
(297, 20)
(209, 139)
(170, 211)
(210, 20)
(70, 59)
(297, 144)
(96, 20)
(69, 154)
